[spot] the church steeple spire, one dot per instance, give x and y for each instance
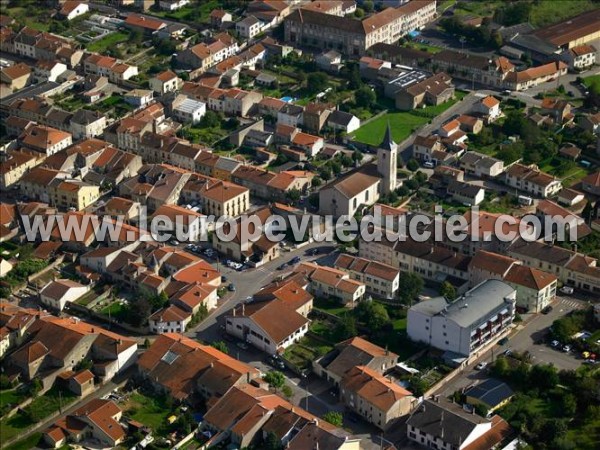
(388, 142)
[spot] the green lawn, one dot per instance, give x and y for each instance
(303, 353)
(147, 410)
(26, 443)
(10, 398)
(116, 310)
(594, 80)
(195, 13)
(107, 42)
(50, 402)
(330, 306)
(403, 123)
(547, 12)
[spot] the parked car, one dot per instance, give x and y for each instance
(242, 345)
(555, 344)
(548, 309)
(313, 252)
(295, 260)
(281, 267)
(231, 287)
(566, 348)
(503, 341)
(566, 290)
(428, 164)
(482, 365)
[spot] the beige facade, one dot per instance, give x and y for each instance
(74, 194)
(15, 165)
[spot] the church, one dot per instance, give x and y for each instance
(364, 185)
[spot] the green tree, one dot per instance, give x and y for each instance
(500, 368)
(210, 120)
(372, 314)
(293, 195)
(410, 286)
(136, 37)
(316, 182)
(335, 418)
(368, 6)
(543, 376)
(325, 173)
(359, 13)
(272, 442)
(317, 82)
(412, 165)
(365, 97)
(346, 327)
(275, 379)
(221, 346)
(287, 391)
(448, 291)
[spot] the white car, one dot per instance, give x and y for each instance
(481, 366)
(566, 290)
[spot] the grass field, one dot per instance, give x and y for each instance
(147, 410)
(593, 81)
(102, 45)
(10, 398)
(26, 443)
(402, 123)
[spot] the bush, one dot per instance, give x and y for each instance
(334, 418)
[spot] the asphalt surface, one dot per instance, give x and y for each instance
(525, 337)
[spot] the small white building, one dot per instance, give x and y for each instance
(45, 70)
(171, 319)
(466, 193)
(71, 9)
(380, 279)
(343, 121)
(580, 57)
(172, 5)
(249, 27)
(164, 82)
(489, 107)
(139, 97)
(188, 110)
(270, 326)
(58, 293)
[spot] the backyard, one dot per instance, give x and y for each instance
(108, 42)
(40, 408)
(151, 411)
(402, 123)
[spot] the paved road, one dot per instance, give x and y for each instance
(523, 338)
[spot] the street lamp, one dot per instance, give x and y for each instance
(305, 378)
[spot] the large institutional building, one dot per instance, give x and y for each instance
(312, 28)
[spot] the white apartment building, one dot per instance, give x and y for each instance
(532, 180)
(464, 325)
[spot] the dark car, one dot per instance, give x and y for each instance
(313, 252)
(548, 309)
(503, 341)
(281, 267)
(231, 287)
(295, 260)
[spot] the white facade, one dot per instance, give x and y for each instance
(249, 27)
(80, 9)
(172, 5)
(246, 329)
(48, 73)
(467, 323)
(190, 110)
(48, 295)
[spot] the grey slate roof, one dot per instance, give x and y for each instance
(450, 424)
(492, 392)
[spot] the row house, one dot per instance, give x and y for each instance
(306, 27)
(204, 55)
(271, 186)
(333, 283)
(216, 197)
(572, 268)
(45, 46)
(480, 165)
(16, 163)
(380, 279)
(535, 288)
(115, 70)
(532, 180)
